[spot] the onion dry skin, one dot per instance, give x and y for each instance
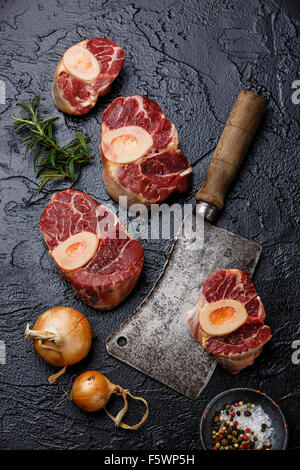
(92, 390)
(62, 336)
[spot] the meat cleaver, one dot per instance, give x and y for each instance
(155, 338)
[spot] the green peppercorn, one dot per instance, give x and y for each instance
(249, 405)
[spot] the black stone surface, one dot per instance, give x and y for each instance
(193, 57)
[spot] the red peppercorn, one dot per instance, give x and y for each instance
(235, 423)
(236, 404)
(222, 431)
(232, 414)
(241, 447)
(245, 437)
(248, 430)
(215, 448)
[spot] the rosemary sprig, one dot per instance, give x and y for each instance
(50, 161)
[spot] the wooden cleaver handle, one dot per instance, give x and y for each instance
(230, 152)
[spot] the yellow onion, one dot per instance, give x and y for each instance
(91, 392)
(62, 336)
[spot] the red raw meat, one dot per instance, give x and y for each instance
(115, 268)
(75, 96)
(155, 176)
(236, 285)
(238, 349)
(140, 111)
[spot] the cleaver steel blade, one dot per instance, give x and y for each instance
(158, 341)
(155, 339)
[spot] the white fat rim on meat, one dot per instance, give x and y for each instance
(186, 172)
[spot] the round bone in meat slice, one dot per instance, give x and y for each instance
(222, 317)
(145, 174)
(237, 349)
(81, 63)
(114, 269)
(76, 251)
(126, 144)
(84, 73)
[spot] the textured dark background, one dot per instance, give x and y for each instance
(193, 57)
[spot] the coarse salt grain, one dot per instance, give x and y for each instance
(255, 421)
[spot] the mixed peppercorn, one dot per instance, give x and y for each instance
(228, 434)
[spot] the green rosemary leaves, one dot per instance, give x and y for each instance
(50, 161)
